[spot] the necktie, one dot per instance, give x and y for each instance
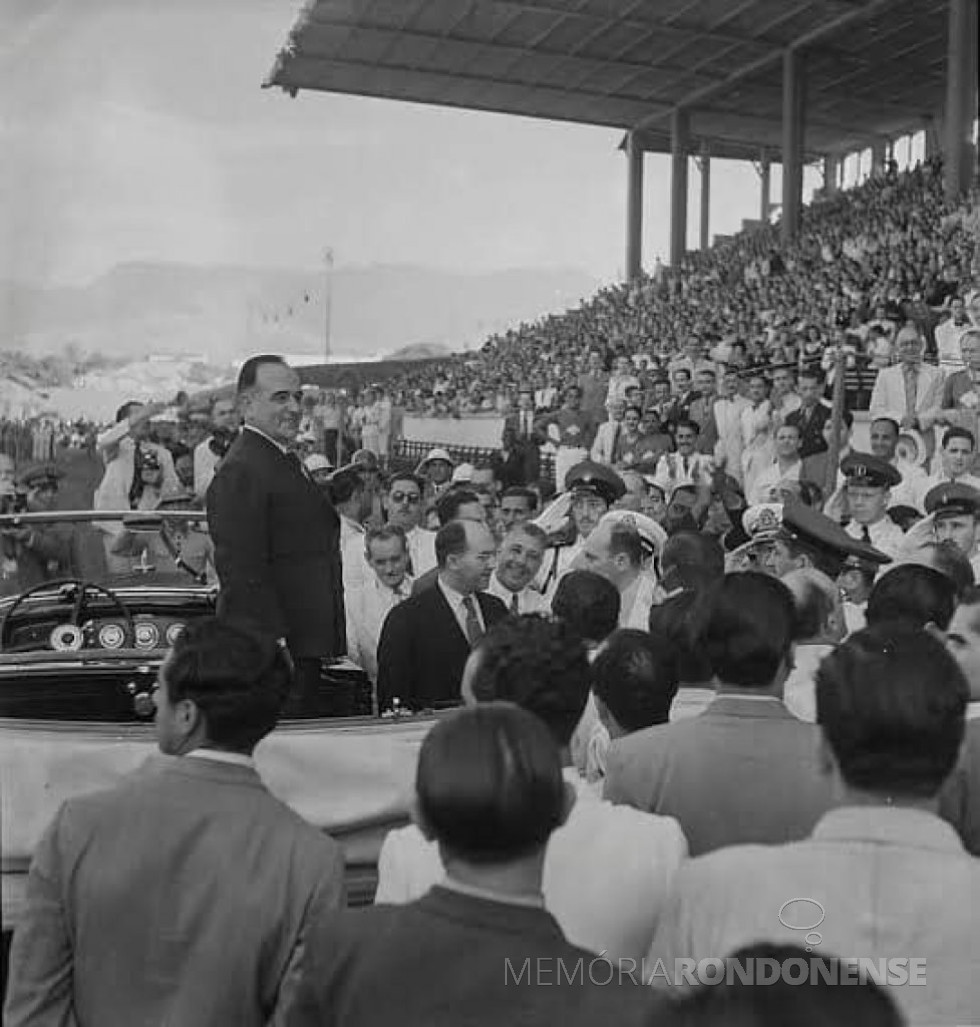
(474, 630)
(865, 534)
(687, 465)
(911, 387)
(514, 605)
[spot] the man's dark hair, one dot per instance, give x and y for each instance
(450, 541)
(344, 485)
(238, 679)
(888, 420)
(959, 433)
(687, 423)
(397, 476)
(691, 560)
(539, 664)
(126, 409)
(682, 620)
(448, 504)
(519, 492)
(249, 373)
(385, 534)
(588, 603)
(891, 702)
(823, 1003)
(489, 784)
(914, 596)
(635, 675)
(750, 628)
(625, 539)
(813, 374)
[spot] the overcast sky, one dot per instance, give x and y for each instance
(137, 130)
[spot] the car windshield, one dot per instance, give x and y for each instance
(105, 549)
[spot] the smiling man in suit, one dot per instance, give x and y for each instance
(276, 535)
(426, 640)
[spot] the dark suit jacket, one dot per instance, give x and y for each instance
(178, 896)
(276, 546)
(522, 466)
(449, 959)
(423, 650)
(811, 430)
(743, 772)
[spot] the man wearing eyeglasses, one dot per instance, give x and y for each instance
(402, 504)
(276, 534)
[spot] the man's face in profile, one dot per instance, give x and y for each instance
(274, 404)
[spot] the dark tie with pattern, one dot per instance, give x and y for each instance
(865, 534)
(515, 606)
(474, 630)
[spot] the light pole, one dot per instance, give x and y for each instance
(328, 300)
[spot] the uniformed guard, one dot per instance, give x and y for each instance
(868, 481)
(955, 511)
(591, 489)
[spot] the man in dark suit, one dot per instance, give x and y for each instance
(520, 457)
(276, 535)
(479, 947)
(811, 415)
(181, 894)
(427, 639)
(745, 770)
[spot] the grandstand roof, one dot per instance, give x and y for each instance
(874, 67)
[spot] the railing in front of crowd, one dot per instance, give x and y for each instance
(407, 454)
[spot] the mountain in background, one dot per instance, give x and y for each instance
(225, 313)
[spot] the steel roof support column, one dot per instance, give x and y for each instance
(634, 207)
(704, 166)
(794, 127)
(765, 187)
(679, 142)
(961, 96)
(831, 173)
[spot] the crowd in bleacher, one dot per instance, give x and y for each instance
(717, 674)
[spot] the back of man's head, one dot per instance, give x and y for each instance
(682, 619)
(449, 503)
(489, 785)
(750, 628)
(819, 616)
(589, 604)
(344, 485)
(691, 560)
(822, 1003)
(635, 678)
(238, 679)
(451, 540)
(891, 703)
(914, 596)
(539, 664)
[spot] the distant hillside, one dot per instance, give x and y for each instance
(228, 312)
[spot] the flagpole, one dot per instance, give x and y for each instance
(328, 301)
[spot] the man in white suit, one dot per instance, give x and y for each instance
(607, 434)
(910, 392)
(180, 895)
(889, 876)
(385, 586)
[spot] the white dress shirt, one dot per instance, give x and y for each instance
(607, 872)
(770, 478)
(886, 536)
(674, 470)
(205, 464)
(367, 607)
(529, 600)
(353, 558)
(421, 550)
(457, 603)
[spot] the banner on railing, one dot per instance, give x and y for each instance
(480, 432)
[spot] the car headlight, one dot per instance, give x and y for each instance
(174, 632)
(111, 636)
(147, 635)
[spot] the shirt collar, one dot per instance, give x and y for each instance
(268, 438)
(454, 598)
(973, 710)
(492, 895)
(223, 756)
(889, 825)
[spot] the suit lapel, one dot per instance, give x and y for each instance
(442, 604)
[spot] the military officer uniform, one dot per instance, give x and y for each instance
(954, 499)
(869, 471)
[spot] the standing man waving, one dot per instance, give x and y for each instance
(275, 532)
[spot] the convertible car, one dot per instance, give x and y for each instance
(79, 652)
